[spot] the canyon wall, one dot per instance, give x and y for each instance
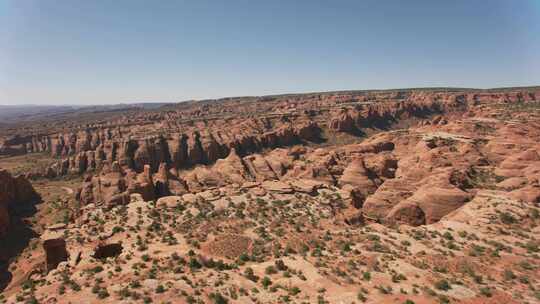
(13, 190)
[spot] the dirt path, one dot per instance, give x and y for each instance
(68, 190)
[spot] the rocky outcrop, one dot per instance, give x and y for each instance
(13, 191)
(54, 246)
(359, 178)
(200, 146)
(342, 121)
(259, 168)
(232, 168)
(103, 251)
(236, 170)
(521, 172)
(407, 199)
(228, 124)
(436, 202)
(167, 182)
(406, 212)
(177, 151)
(114, 185)
(384, 114)
(4, 218)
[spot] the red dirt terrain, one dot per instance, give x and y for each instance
(402, 196)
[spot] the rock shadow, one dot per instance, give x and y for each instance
(18, 237)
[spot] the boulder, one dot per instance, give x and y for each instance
(169, 201)
(512, 183)
(406, 212)
(529, 194)
(277, 186)
(437, 202)
(54, 246)
(306, 186)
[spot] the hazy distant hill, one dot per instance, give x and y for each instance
(18, 112)
(13, 113)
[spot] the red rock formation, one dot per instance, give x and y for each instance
(55, 249)
(357, 176)
(13, 191)
(342, 121)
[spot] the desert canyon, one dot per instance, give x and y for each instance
(394, 196)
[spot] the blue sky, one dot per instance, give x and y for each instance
(96, 52)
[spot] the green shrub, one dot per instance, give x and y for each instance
(443, 285)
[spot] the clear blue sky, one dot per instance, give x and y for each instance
(94, 52)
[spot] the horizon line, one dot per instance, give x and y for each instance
(127, 103)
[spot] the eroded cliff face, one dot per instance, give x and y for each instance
(436, 181)
(176, 150)
(196, 134)
(390, 177)
(413, 177)
(13, 190)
